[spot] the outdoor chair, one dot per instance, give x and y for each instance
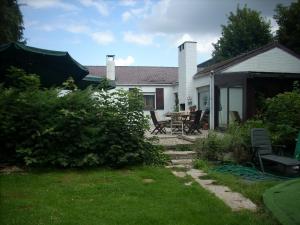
(263, 152)
(159, 126)
(194, 125)
(177, 124)
(235, 117)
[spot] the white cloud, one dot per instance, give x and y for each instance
(140, 39)
(42, 4)
(183, 38)
(140, 12)
(126, 16)
(100, 5)
(127, 2)
(71, 27)
(204, 42)
(194, 16)
(124, 62)
(77, 28)
(103, 38)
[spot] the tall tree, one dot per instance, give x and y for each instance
(288, 20)
(11, 21)
(246, 29)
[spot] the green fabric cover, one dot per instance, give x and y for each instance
(53, 67)
(283, 201)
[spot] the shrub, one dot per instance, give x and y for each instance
(213, 147)
(82, 128)
(282, 116)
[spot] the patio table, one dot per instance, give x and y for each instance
(178, 121)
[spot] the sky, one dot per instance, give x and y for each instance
(137, 32)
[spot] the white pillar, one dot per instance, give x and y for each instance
(212, 101)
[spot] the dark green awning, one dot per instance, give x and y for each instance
(53, 67)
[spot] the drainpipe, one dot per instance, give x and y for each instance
(212, 100)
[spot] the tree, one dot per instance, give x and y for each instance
(288, 20)
(11, 21)
(245, 30)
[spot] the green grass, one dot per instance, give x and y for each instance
(112, 197)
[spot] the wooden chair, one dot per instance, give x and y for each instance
(194, 125)
(263, 152)
(235, 116)
(177, 125)
(159, 126)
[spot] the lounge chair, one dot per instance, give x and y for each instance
(263, 153)
(159, 126)
(235, 116)
(195, 124)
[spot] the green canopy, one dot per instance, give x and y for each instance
(53, 67)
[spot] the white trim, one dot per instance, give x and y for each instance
(212, 101)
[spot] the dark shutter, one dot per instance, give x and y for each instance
(159, 98)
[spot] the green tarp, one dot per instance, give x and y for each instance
(53, 67)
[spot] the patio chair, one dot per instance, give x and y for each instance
(194, 125)
(263, 152)
(235, 116)
(177, 125)
(159, 126)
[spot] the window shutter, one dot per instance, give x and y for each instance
(159, 98)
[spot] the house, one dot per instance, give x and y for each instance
(156, 83)
(232, 85)
(239, 83)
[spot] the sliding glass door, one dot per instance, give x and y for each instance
(231, 100)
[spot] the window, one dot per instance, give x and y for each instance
(149, 101)
(203, 98)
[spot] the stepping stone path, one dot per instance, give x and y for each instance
(184, 160)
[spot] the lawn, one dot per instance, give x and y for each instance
(143, 195)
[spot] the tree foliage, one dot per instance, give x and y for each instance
(288, 20)
(246, 30)
(11, 21)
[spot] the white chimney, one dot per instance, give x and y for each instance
(110, 67)
(187, 68)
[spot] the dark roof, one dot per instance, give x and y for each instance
(207, 63)
(139, 74)
(242, 57)
(53, 67)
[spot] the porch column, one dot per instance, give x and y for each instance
(212, 101)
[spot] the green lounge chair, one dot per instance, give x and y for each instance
(262, 151)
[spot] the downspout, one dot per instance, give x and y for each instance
(212, 101)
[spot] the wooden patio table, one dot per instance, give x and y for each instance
(178, 121)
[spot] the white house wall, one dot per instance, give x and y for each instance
(275, 60)
(169, 100)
